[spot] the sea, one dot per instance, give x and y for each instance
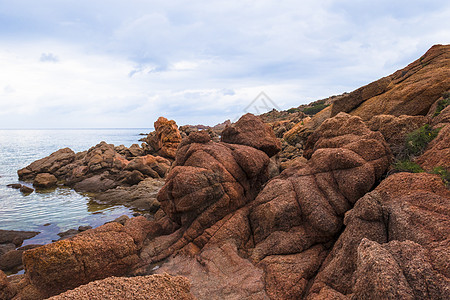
(63, 208)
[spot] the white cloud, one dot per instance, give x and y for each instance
(122, 64)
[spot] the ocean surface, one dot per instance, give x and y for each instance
(61, 209)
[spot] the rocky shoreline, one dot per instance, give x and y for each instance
(346, 198)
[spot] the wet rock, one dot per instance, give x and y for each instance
(48, 164)
(26, 190)
(68, 234)
(84, 228)
(14, 186)
(15, 237)
(144, 287)
(44, 181)
(12, 260)
(251, 131)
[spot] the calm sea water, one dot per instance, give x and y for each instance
(62, 208)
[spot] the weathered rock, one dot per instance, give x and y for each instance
(26, 190)
(141, 196)
(6, 290)
(251, 131)
(14, 186)
(410, 91)
(219, 273)
(395, 129)
(49, 164)
(208, 181)
(144, 287)
(44, 181)
(438, 151)
(109, 250)
(409, 212)
(165, 139)
(286, 230)
(12, 260)
(15, 237)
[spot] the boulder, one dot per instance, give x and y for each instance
(15, 237)
(251, 131)
(45, 181)
(395, 129)
(140, 288)
(48, 164)
(26, 190)
(165, 139)
(12, 260)
(109, 250)
(409, 91)
(16, 186)
(7, 291)
(398, 232)
(208, 181)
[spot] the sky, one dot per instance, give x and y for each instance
(122, 64)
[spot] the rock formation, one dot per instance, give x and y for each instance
(152, 287)
(165, 139)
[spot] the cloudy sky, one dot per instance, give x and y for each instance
(106, 63)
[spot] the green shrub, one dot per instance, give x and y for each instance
(292, 110)
(441, 105)
(407, 166)
(417, 141)
(445, 175)
(314, 109)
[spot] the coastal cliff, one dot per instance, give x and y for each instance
(352, 202)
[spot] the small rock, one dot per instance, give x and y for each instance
(14, 185)
(122, 219)
(26, 190)
(68, 234)
(84, 228)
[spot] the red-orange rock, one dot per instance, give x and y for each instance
(108, 250)
(410, 91)
(252, 131)
(165, 139)
(152, 287)
(400, 228)
(438, 151)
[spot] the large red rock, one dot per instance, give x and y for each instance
(109, 250)
(437, 153)
(285, 230)
(152, 287)
(400, 229)
(251, 131)
(165, 139)
(208, 181)
(6, 290)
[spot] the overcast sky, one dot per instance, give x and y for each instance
(89, 64)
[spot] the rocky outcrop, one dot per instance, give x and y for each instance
(208, 181)
(410, 91)
(140, 288)
(99, 169)
(49, 164)
(45, 181)
(109, 250)
(251, 131)
(395, 244)
(438, 151)
(165, 139)
(395, 129)
(272, 246)
(6, 290)
(11, 239)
